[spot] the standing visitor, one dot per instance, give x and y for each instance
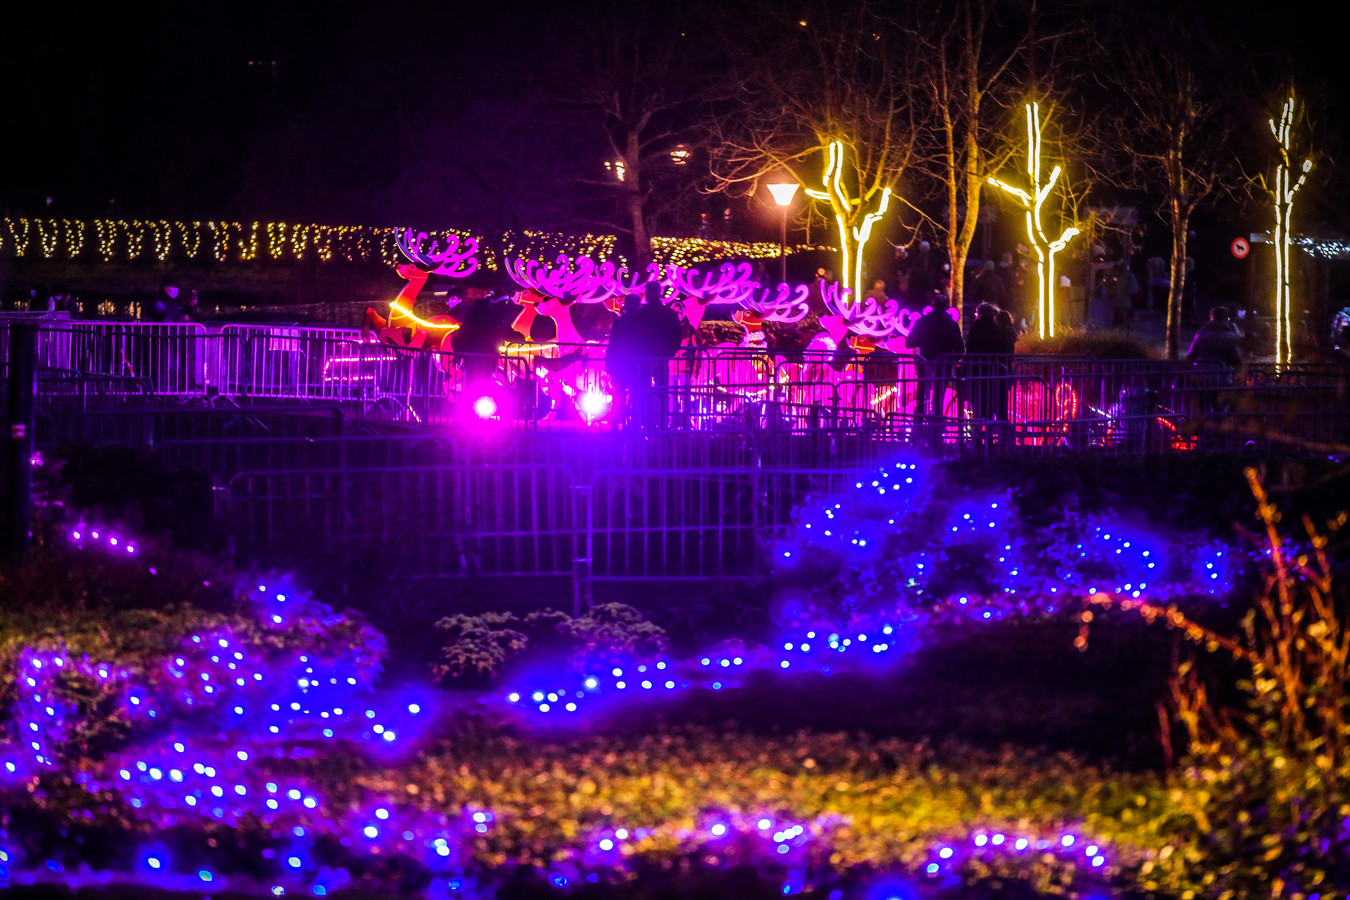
(1215, 350)
(1217, 340)
(993, 339)
(659, 331)
(622, 359)
(937, 339)
(1122, 290)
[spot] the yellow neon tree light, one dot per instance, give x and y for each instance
(845, 209)
(1284, 193)
(1032, 203)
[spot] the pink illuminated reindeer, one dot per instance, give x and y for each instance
(404, 328)
(856, 333)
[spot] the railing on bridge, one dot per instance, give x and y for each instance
(95, 371)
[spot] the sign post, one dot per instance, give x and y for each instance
(19, 439)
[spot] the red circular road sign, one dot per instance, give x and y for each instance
(1240, 248)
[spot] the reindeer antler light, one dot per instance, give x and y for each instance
(458, 260)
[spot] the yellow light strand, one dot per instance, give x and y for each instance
(398, 309)
(1284, 212)
(162, 232)
(106, 231)
(248, 249)
(18, 235)
(190, 237)
(135, 237)
(1031, 204)
(74, 234)
(840, 203)
(49, 232)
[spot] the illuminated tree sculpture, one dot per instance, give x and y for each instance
(1283, 193)
(852, 238)
(1031, 203)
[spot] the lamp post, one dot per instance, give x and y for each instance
(782, 195)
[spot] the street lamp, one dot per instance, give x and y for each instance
(782, 195)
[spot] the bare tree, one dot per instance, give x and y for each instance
(1281, 189)
(641, 77)
(1174, 133)
(811, 78)
(971, 86)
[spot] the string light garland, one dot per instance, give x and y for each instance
(48, 231)
(18, 235)
(224, 241)
(107, 238)
(74, 235)
(189, 237)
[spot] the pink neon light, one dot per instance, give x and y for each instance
(582, 279)
(457, 260)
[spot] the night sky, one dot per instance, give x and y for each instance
(433, 113)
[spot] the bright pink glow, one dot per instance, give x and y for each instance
(485, 407)
(582, 279)
(457, 260)
(593, 404)
(731, 284)
(587, 281)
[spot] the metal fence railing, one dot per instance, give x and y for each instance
(447, 520)
(994, 403)
(411, 520)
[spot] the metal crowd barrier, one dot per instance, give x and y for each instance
(410, 521)
(1046, 402)
(619, 524)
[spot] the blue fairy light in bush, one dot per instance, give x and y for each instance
(855, 522)
(1215, 568)
(1109, 555)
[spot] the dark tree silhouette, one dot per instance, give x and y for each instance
(1174, 132)
(810, 76)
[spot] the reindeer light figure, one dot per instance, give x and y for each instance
(570, 367)
(404, 327)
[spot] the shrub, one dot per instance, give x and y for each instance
(115, 624)
(1268, 783)
(1085, 342)
(481, 647)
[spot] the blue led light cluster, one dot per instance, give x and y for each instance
(218, 726)
(223, 727)
(857, 522)
(84, 535)
(946, 858)
(870, 640)
(891, 535)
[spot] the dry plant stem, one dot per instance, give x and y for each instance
(1295, 640)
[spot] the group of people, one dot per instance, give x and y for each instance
(983, 358)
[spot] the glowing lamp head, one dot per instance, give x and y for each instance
(485, 407)
(594, 404)
(782, 193)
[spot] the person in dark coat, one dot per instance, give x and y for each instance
(659, 334)
(937, 339)
(988, 286)
(623, 358)
(1215, 347)
(1217, 340)
(990, 346)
